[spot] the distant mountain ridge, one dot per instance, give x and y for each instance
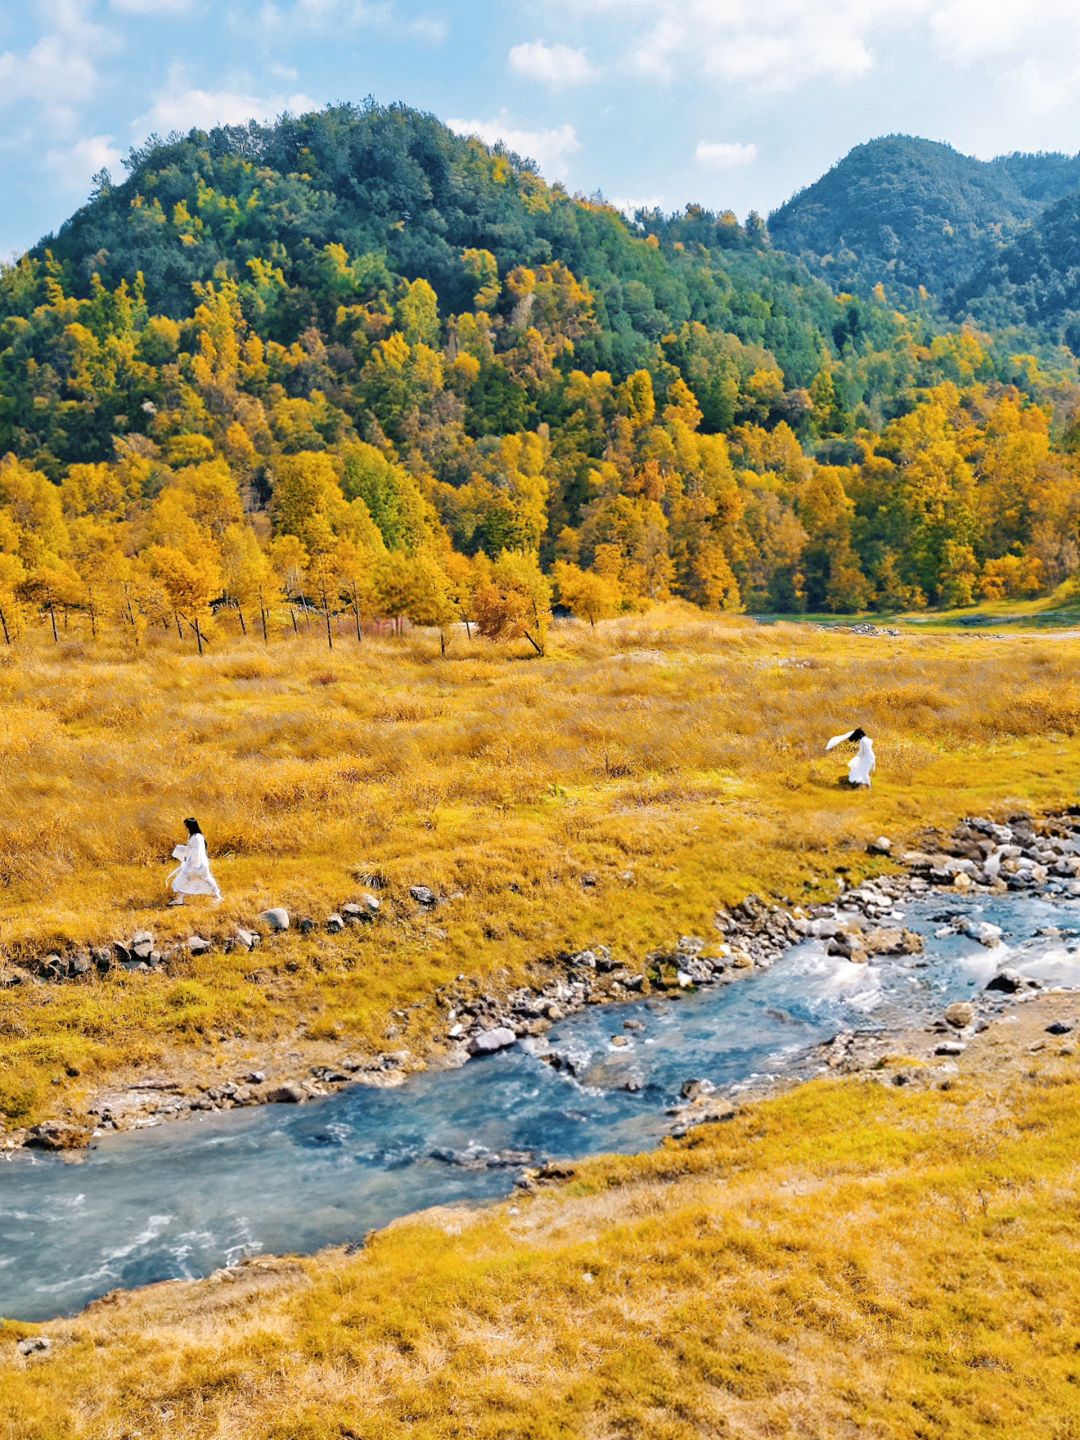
(916, 214)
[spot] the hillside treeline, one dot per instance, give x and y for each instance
(358, 363)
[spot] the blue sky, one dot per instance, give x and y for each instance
(733, 103)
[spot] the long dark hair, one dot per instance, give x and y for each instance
(192, 826)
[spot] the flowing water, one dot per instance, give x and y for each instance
(185, 1198)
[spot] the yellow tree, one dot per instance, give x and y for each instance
(431, 601)
(187, 586)
(515, 601)
(246, 574)
(12, 578)
(289, 562)
(587, 594)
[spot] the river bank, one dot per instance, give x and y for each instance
(912, 1215)
(979, 857)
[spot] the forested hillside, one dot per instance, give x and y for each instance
(915, 214)
(1033, 283)
(355, 360)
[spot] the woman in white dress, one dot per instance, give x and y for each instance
(863, 763)
(193, 875)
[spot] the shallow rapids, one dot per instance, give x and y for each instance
(183, 1199)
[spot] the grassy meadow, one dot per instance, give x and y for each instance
(673, 758)
(847, 1260)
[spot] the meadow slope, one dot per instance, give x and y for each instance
(674, 759)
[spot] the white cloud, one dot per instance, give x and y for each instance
(152, 7)
(776, 45)
(59, 72)
(74, 165)
(429, 28)
(724, 154)
(555, 65)
(336, 15)
(185, 107)
(550, 149)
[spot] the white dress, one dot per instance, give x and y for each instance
(863, 764)
(194, 876)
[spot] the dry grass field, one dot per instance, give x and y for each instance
(849, 1261)
(675, 758)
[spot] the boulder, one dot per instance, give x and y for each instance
(487, 1042)
(81, 964)
(55, 1135)
(891, 940)
(950, 1047)
(246, 939)
(1008, 982)
(982, 931)
(881, 846)
(695, 1089)
(335, 923)
(1059, 1027)
(423, 895)
(291, 1092)
(305, 925)
(849, 947)
(960, 1015)
(142, 943)
(102, 957)
(34, 1345)
(197, 945)
(276, 919)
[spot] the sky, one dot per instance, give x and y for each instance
(733, 104)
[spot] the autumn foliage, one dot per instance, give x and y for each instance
(209, 419)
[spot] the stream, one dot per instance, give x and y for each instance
(183, 1199)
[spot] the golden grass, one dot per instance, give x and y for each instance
(675, 757)
(847, 1260)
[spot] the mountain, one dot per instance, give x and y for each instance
(357, 357)
(1033, 283)
(913, 213)
(394, 183)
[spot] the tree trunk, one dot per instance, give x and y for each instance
(127, 603)
(179, 627)
(329, 627)
(3, 626)
(262, 617)
(52, 617)
(538, 648)
(295, 627)
(468, 629)
(442, 642)
(243, 627)
(356, 615)
(198, 635)
(93, 611)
